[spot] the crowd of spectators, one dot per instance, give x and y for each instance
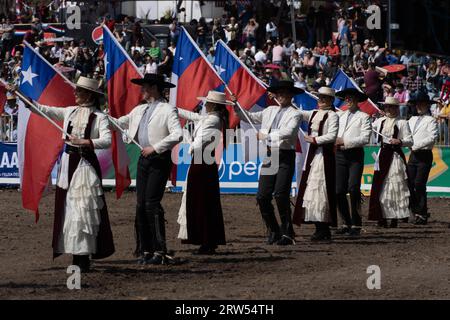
(327, 40)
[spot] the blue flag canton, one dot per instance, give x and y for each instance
(340, 82)
(114, 56)
(225, 64)
(185, 54)
(35, 74)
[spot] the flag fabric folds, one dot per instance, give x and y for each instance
(191, 73)
(123, 96)
(45, 85)
(340, 82)
(240, 80)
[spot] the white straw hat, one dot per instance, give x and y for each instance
(326, 91)
(216, 97)
(89, 84)
(391, 101)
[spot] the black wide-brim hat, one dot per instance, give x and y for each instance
(285, 85)
(152, 79)
(361, 96)
(420, 97)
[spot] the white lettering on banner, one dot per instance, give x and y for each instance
(232, 172)
(249, 168)
(9, 163)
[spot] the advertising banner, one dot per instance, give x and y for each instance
(236, 175)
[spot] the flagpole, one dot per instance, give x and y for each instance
(116, 124)
(223, 82)
(28, 102)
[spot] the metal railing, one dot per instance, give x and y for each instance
(8, 128)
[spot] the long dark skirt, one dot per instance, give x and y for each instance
(203, 208)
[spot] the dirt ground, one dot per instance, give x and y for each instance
(414, 260)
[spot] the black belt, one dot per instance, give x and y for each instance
(422, 151)
(78, 150)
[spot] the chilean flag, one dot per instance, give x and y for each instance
(340, 82)
(123, 96)
(42, 83)
(306, 101)
(241, 81)
(191, 73)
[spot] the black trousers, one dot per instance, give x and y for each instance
(278, 186)
(349, 170)
(419, 166)
(152, 175)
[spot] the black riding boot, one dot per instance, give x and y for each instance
(322, 232)
(160, 255)
(287, 229)
(82, 261)
(268, 215)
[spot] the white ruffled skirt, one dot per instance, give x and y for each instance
(315, 200)
(394, 197)
(82, 211)
(182, 220)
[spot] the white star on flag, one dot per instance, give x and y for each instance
(181, 58)
(28, 76)
(106, 61)
(219, 69)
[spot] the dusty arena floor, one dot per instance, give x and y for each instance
(414, 261)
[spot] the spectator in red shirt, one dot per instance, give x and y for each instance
(333, 50)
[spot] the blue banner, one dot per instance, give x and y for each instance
(9, 163)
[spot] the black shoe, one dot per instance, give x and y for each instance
(420, 220)
(382, 223)
(394, 223)
(285, 241)
(145, 257)
(355, 232)
(154, 260)
(273, 238)
(343, 230)
(321, 236)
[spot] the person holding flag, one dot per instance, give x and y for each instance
(156, 127)
(316, 200)
(389, 196)
(279, 128)
(200, 216)
(81, 223)
(424, 129)
(354, 133)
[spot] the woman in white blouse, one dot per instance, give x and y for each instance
(81, 223)
(316, 200)
(200, 216)
(389, 195)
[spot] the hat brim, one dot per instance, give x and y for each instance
(344, 93)
(227, 102)
(293, 90)
(316, 93)
(389, 104)
(89, 89)
(142, 81)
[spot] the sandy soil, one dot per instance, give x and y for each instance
(414, 260)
